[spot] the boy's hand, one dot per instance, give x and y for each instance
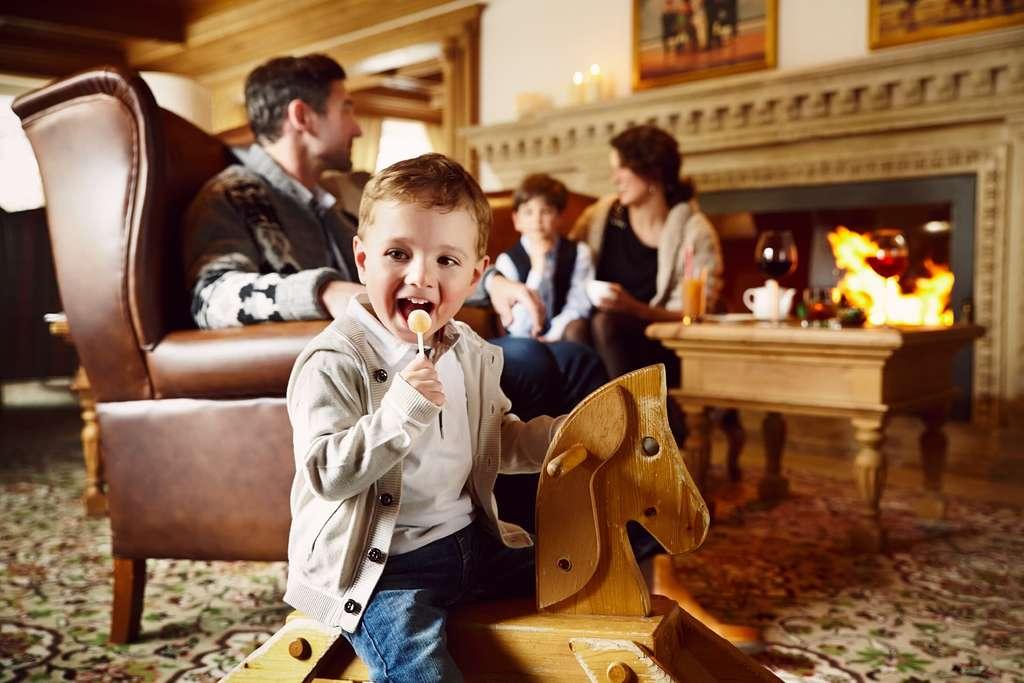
(422, 376)
(538, 250)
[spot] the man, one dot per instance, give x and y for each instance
(264, 242)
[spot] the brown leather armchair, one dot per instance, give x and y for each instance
(194, 434)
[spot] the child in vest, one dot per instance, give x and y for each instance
(393, 517)
(556, 268)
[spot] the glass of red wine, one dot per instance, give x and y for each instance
(889, 260)
(775, 254)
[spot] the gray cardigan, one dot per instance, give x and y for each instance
(352, 425)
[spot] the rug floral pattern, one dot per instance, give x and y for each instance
(945, 603)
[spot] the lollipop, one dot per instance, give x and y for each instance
(419, 322)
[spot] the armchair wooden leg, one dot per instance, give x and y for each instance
(129, 589)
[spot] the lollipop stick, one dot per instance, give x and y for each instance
(419, 322)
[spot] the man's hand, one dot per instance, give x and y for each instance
(618, 300)
(506, 293)
(422, 376)
(336, 293)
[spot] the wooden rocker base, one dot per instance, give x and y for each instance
(510, 641)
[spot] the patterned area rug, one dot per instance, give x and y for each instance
(945, 603)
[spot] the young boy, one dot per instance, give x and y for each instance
(556, 268)
(393, 518)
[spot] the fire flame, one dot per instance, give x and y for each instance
(881, 298)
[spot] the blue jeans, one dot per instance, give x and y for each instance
(547, 378)
(401, 636)
(541, 378)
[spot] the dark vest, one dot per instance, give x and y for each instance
(565, 262)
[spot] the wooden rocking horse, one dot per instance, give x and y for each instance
(612, 461)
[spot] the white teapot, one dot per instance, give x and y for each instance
(760, 299)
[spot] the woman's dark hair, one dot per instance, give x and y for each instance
(271, 86)
(654, 155)
(541, 185)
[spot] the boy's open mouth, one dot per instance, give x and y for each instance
(407, 305)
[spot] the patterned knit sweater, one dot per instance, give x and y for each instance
(259, 246)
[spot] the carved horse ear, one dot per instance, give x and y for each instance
(567, 548)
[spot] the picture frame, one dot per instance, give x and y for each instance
(897, 22)
(674, 40)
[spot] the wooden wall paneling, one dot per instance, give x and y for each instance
(29, 286)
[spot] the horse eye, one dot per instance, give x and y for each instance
(650, 446)
(650, 512)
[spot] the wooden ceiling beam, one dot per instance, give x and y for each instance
(257, 30)
(415, 86)
(31, 53)
(393, 106)
(150, 20)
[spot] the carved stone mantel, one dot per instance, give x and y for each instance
(947, 107)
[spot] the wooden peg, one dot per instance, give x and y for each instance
(567, 460)
(300, 649)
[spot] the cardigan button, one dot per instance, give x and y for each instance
(353, 607)
(380, 375)
(385, 499)
(375, 555)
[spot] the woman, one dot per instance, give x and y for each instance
(641, 238)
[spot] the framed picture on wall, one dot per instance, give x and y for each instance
(683, 40)
(895, 22)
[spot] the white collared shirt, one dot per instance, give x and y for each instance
(435, 501)
(577, 304)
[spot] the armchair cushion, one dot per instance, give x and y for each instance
(231, 363)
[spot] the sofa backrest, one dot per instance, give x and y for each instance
(503, 232)
(118, 172)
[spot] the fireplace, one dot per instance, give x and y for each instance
(929, 131)
(936, 214)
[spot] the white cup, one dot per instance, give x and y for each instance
(759, 301)
(598, 291)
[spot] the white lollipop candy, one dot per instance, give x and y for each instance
(419, 322)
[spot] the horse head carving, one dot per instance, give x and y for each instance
(613, 460)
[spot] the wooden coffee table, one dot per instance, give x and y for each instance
(861, 374)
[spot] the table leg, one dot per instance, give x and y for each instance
(773, 486)
(869, 470)
(697, 449)
(934, 446)
(94, 497)
(736, 438)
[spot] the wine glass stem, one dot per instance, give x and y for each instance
(885, 303)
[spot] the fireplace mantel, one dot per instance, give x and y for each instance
(942, 108)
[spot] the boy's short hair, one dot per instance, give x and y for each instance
(431, 181)
(272, 85)
(551, 189)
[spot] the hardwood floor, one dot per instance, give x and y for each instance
(983, 466)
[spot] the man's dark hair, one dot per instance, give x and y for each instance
(272, 85)
(653, 154)
(541, 185)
